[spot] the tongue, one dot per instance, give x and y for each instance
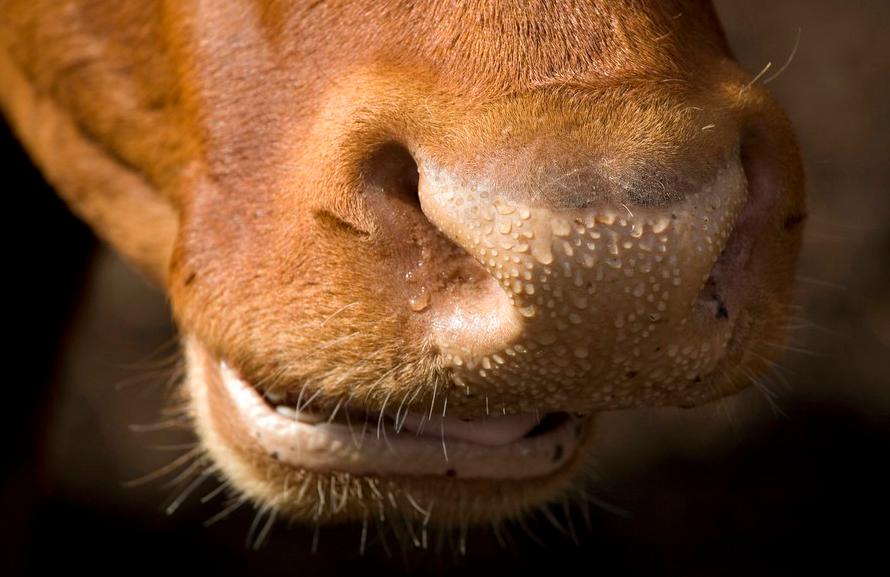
(486, 431)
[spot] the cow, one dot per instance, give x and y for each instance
(415, 249)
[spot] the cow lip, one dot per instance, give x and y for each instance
(491, 429)
(330, 446)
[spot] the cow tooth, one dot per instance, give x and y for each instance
(286, 411)
(301, 416)
(309, 418)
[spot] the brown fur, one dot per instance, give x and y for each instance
(221, 146)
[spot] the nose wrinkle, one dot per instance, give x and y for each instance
(604, 292)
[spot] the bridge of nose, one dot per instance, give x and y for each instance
(598, 287)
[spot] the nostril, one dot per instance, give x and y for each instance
(711, 296)
(422, 270)
(389, 182)
(387, 179)
(728, 278)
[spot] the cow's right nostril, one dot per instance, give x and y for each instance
(389, 181)
(424, 271)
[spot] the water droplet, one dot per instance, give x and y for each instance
(561, 227)
(546, 338)
(420, 301)
(527, 312)
(503, 208)
(542, 253)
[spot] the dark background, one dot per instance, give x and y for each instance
(801, 489)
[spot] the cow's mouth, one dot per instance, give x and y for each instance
(384, 444)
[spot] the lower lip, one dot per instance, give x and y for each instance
(365, 450)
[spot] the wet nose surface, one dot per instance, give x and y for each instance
(603, 300)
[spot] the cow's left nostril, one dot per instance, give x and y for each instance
(711, 298)
(730, 277)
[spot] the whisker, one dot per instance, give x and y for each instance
(756, 78)
(315, 537)
(417, 389)
(433, 402)
(382, 413)
(768, 394)
(340, 310)
(228, 510)
(322, 500)
(351, 430)
(791, 56)
(462, 537)
(605, 505)
(147, 363)
(341, 504)
(248, 541)
(499, 537)
(548, 514)
(382, 537)
(304, 488)
(309, 401)
(159, 426)
(175, 447)
(212, 494)
(416, 505)
(821, 283)
(166, 469)
(444, 448)
(364, 536)
(264, 532)
(336, 409)
(567, 511)
(531, 534)
(190, 488)
(152, 376)
(186, 473)
(799, 350)
(397, 426)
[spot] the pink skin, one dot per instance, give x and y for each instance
(491, 431)
(490, 448)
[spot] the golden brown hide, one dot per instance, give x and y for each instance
(408, 210)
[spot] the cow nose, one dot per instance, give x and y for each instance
(599, 297)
